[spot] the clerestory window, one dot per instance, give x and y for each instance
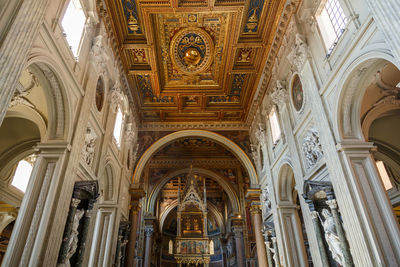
(23, 173)
(332, 23)
(73, 24)
(119, 121)
(384, 175)
(275, 128)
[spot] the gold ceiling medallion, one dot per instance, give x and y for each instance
(192, 50)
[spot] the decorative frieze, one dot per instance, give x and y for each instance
(280, 95)
(98, 55)
(300, 52)
(116, 96)
(88, 149)
(311, 148)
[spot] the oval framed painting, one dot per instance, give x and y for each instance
(99, 94)
(297, 93)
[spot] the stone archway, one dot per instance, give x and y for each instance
(291, 230)
(222, 182)
(368, 198)
(230, 145)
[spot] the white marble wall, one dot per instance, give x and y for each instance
(344, 158)
(63, 159)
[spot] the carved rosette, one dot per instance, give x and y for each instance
(300, 52)
(311, 148)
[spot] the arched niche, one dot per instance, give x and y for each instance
(291, 226)
(57, 104)
(230, 191)
(354, 81)
(365, 201)
(222, 140)
(107, 183)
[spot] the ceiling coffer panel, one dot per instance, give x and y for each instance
(197, 60)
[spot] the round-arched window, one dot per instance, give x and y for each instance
(297, 93)
(99, 94)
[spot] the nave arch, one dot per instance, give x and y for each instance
(230, 191)
(230, 145)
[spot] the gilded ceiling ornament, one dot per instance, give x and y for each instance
(192, 50)
(244, 55)
(253, 21)
(253, 16)
(131, 16)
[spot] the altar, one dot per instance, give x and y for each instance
(192, 245)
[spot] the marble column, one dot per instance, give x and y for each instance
(240, 254)
(178, 223)
(386, 13)
(348, 260)
(257, 224)
(68, 229)
(15, 48)
(132, 238)
(82, 240)
(149, 244)
(136, 195)
(224, 252)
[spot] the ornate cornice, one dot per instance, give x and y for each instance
(176, 126)
(171, 163)
(101, 10)
(265, 81)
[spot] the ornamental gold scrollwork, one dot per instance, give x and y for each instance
(192, 50)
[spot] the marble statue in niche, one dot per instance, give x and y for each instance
(332, 237)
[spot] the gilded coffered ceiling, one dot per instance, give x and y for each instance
(196, 60)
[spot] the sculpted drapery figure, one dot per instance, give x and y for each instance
(332, 237)
(73, 241)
